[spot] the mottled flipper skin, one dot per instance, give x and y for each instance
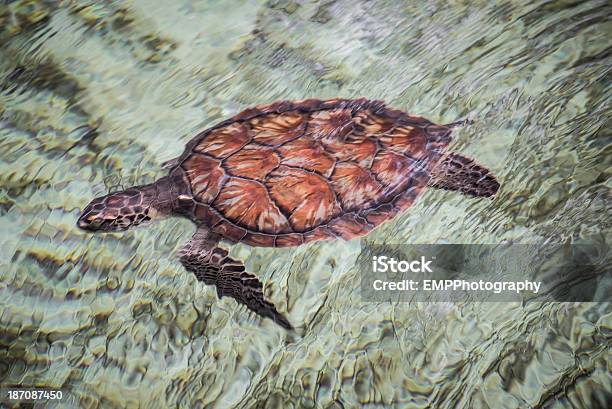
(212, 266)
(291, 173)
(461, 174)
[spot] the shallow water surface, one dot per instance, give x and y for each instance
(94, 96)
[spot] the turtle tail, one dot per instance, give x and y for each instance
(457, 124)
(456, 172)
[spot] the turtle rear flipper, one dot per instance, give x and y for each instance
(456, 172)
(211, 265)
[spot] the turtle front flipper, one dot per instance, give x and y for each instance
(456, 172)
(211, 265)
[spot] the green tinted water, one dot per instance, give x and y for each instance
(98, 94)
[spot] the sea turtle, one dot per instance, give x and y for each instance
(290, 173)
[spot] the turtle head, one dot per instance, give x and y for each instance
(116, 212)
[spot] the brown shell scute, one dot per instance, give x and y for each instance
(390, 169)
(222, 142)
(252, 161)
(369, 123)
(306, 196)
(406, 139)
(290, 173)
(330, 125)
(356, 187)
(206, 175)
(246, 202)
(308, 154)
(360, 151)
(274, 130)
